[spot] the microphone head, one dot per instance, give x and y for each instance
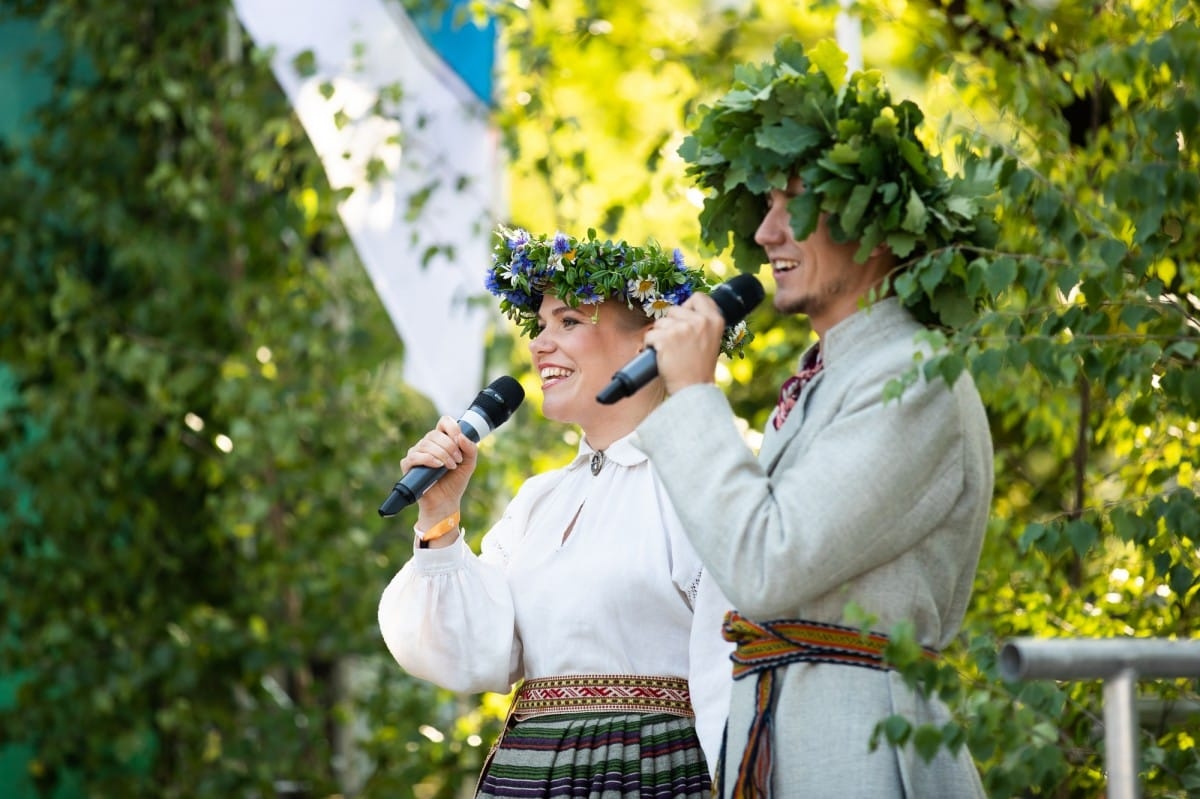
(498, 401)
(737, 297)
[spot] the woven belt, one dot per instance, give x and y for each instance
(602, 693)
(778, 643)
(762, 648)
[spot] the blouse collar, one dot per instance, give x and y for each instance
(621, 452)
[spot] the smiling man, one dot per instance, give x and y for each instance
(854, 502)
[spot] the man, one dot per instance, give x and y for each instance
(855, 502)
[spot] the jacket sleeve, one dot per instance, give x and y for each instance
(863, 492)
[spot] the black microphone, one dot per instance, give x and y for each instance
(736, 298)
(491, 408)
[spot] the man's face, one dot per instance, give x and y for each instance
(816, 277)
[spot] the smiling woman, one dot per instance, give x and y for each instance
(586, 592)
(576, 352)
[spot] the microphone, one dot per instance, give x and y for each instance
(491, 408)
(736, 298)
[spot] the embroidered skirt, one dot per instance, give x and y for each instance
(599, 756)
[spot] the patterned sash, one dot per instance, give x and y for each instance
(762, 648)
(602, 693)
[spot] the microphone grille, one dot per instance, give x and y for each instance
(737, 297)
(502, 396)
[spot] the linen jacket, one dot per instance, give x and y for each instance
(854, 501)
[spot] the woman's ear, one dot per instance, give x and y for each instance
(643, 326)
(641, 339)
(645, 329)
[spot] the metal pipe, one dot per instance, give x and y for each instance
(1120, 662)
(1098, 658)
(1120, 736)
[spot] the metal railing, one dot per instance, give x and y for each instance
(1120, 663)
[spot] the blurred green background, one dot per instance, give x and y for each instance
(201, 400)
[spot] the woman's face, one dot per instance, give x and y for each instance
(578, 350)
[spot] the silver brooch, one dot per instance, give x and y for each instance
(597, 462)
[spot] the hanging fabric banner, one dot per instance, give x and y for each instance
(397, 110)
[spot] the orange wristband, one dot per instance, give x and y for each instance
(440, 529)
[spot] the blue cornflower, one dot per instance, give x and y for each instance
(517, 297)
(679, 294)
(587, 294)
(522, 264)
(518, 240)
(492, 284)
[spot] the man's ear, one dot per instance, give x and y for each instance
(882, 257)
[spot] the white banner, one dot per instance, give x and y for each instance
(421, 224)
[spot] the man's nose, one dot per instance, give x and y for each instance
(774, 226)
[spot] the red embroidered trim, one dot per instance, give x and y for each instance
(605, 693)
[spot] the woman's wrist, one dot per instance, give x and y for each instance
(442, 531)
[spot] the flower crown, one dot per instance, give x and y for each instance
(588, 271)
(858, 157)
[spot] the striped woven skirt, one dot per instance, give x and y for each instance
(599, 756)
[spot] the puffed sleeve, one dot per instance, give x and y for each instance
(447, 617)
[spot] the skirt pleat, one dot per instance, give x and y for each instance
(598, 756)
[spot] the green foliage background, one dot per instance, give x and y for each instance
(200, 395)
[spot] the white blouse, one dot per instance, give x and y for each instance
(622, 593)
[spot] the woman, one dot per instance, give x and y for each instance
(586, 589)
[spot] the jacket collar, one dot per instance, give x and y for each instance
(860, 332)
